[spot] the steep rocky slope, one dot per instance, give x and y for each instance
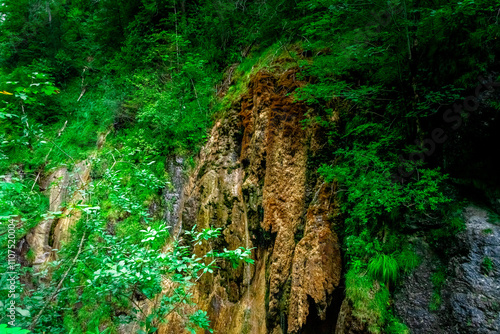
(256, 179)
(64, 188)
(471, 292)
(254, 182)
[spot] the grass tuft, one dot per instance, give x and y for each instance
(384, 268)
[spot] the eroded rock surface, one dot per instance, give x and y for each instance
(471, 293)
(173, 192)
(38, 238)
(63, 188)
(62, 229)
(253, 181)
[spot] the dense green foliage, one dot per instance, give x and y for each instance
(107, 273)
(384, 59)
(12, 330)
(397, 64)
(72, 72)
(148, 73)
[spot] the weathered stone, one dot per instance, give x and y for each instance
(62, 230)
(62, 186)
(173, 192)
(316, 261)
(38, 238)
(470, 296)
(251, 181)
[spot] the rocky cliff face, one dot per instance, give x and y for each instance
(256, 180)
(470, 295)
(253, 181)
(62, 187)
(65, 189)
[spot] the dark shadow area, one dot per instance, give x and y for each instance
(315, 325)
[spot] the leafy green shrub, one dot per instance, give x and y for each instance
(370, 193)
(12, 330)
(110, 277)
(121, 259)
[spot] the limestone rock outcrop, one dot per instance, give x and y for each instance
(253, 181)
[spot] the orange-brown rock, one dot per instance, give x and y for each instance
(317, 258)
(253, 181)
